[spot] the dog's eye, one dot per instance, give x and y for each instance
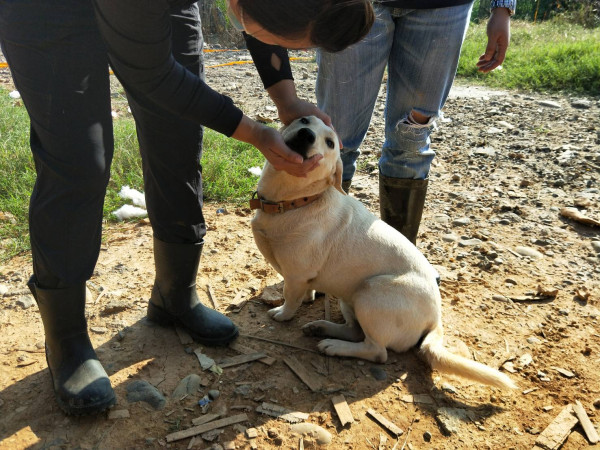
(304, 120)
(330, 143)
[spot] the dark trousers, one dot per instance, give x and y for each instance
(59, 65)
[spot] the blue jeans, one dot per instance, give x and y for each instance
(420, 48)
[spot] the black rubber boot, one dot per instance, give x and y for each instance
(401, 203)
(346, 185)
(174, 300)
(80, 383)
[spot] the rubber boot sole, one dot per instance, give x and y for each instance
(165, 319)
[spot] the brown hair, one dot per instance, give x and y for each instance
(332, 25)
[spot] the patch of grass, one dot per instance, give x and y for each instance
(17, 176)
(551, 56)
(225, 170)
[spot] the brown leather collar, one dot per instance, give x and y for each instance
(280, 207)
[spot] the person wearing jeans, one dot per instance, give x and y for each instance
(59, 54)
(419, 43)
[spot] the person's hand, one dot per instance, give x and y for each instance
(498, 31)
(290, 107)
(271, 144)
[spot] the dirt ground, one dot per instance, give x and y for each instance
(520, 287)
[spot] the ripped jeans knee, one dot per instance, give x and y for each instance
(407, 151)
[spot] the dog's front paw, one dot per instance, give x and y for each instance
(280, 314)
(329, 347)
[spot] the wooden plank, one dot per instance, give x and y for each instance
(269, 360)
(385, 423)
(585, 422)
(240, 359)
(194, 431)
(213, 298)
(281, 412)
(342, 409)
(239, 301)
(558, 431)
(205, 419)
(306, 376)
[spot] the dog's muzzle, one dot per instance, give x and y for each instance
(302, 141)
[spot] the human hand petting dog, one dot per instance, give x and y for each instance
(270, 143)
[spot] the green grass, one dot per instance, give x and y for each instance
(225, 165)
(548, 57)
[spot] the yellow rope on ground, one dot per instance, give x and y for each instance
(4, 65)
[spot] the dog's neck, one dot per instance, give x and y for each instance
(283, 186)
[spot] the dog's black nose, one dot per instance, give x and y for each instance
(301, 141)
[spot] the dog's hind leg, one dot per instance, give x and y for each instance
(349, 331)
(295, 291)
(367, 349)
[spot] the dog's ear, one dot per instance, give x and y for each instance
(336, 178)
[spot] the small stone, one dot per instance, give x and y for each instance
(462, 221)
(3, 289)
(427, 436)
(549, 103)
(564, 372)
(470, 243)
(378, 373)
(213, 394)
(118, 414)
(451, 419)
(25, 301)
(533, 340)
(548, 408)
(528, 251)
(99, 330)
(450, 238)
(142, 391)
(597, 403)
(321, 436)
(189, 385)
(251, 433)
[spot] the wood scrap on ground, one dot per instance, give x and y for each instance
(307, 377)
(194, 431)
(585, 422)
(342, 409)
(578, 216)
(241, 359)
(385, 423)
(558, 431)
(268, 360)
(281, 412)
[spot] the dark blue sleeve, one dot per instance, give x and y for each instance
(272, 62)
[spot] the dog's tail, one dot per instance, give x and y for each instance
(433, 351)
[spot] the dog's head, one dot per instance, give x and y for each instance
(309, 136)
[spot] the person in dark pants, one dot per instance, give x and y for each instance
(59, 53)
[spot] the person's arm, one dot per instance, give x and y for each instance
(138, 36)
(498, 31)
(273, 65)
